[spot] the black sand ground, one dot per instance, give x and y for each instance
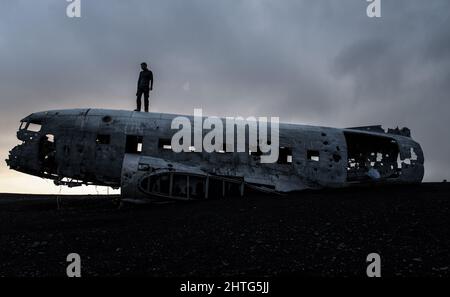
(312, 233)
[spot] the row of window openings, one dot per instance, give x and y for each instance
(134, 146)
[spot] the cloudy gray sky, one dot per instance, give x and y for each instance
(311, 62)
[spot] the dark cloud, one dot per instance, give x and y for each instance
(373, 65)
(313, 62)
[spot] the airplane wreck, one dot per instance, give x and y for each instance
(132, 151)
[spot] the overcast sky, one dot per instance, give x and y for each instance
(310, 62)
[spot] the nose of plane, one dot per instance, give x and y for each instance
(12, 158)
(23, 158)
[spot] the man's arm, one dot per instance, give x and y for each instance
(139, 79)
(151, 80)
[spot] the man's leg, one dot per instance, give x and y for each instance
(138, 101)
(146, 95)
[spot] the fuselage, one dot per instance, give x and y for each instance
(88, 146)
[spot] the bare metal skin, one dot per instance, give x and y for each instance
(129, 149)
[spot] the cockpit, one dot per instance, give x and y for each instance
(30, 126)
(37, 152)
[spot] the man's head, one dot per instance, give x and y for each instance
(143, 66)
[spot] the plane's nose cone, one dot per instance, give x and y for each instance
(13, 158)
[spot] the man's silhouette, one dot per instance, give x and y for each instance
(144, 86)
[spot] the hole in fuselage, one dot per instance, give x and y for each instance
(47, 152)
(133, 144)
(371, 157)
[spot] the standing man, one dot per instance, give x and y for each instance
(144, 86)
